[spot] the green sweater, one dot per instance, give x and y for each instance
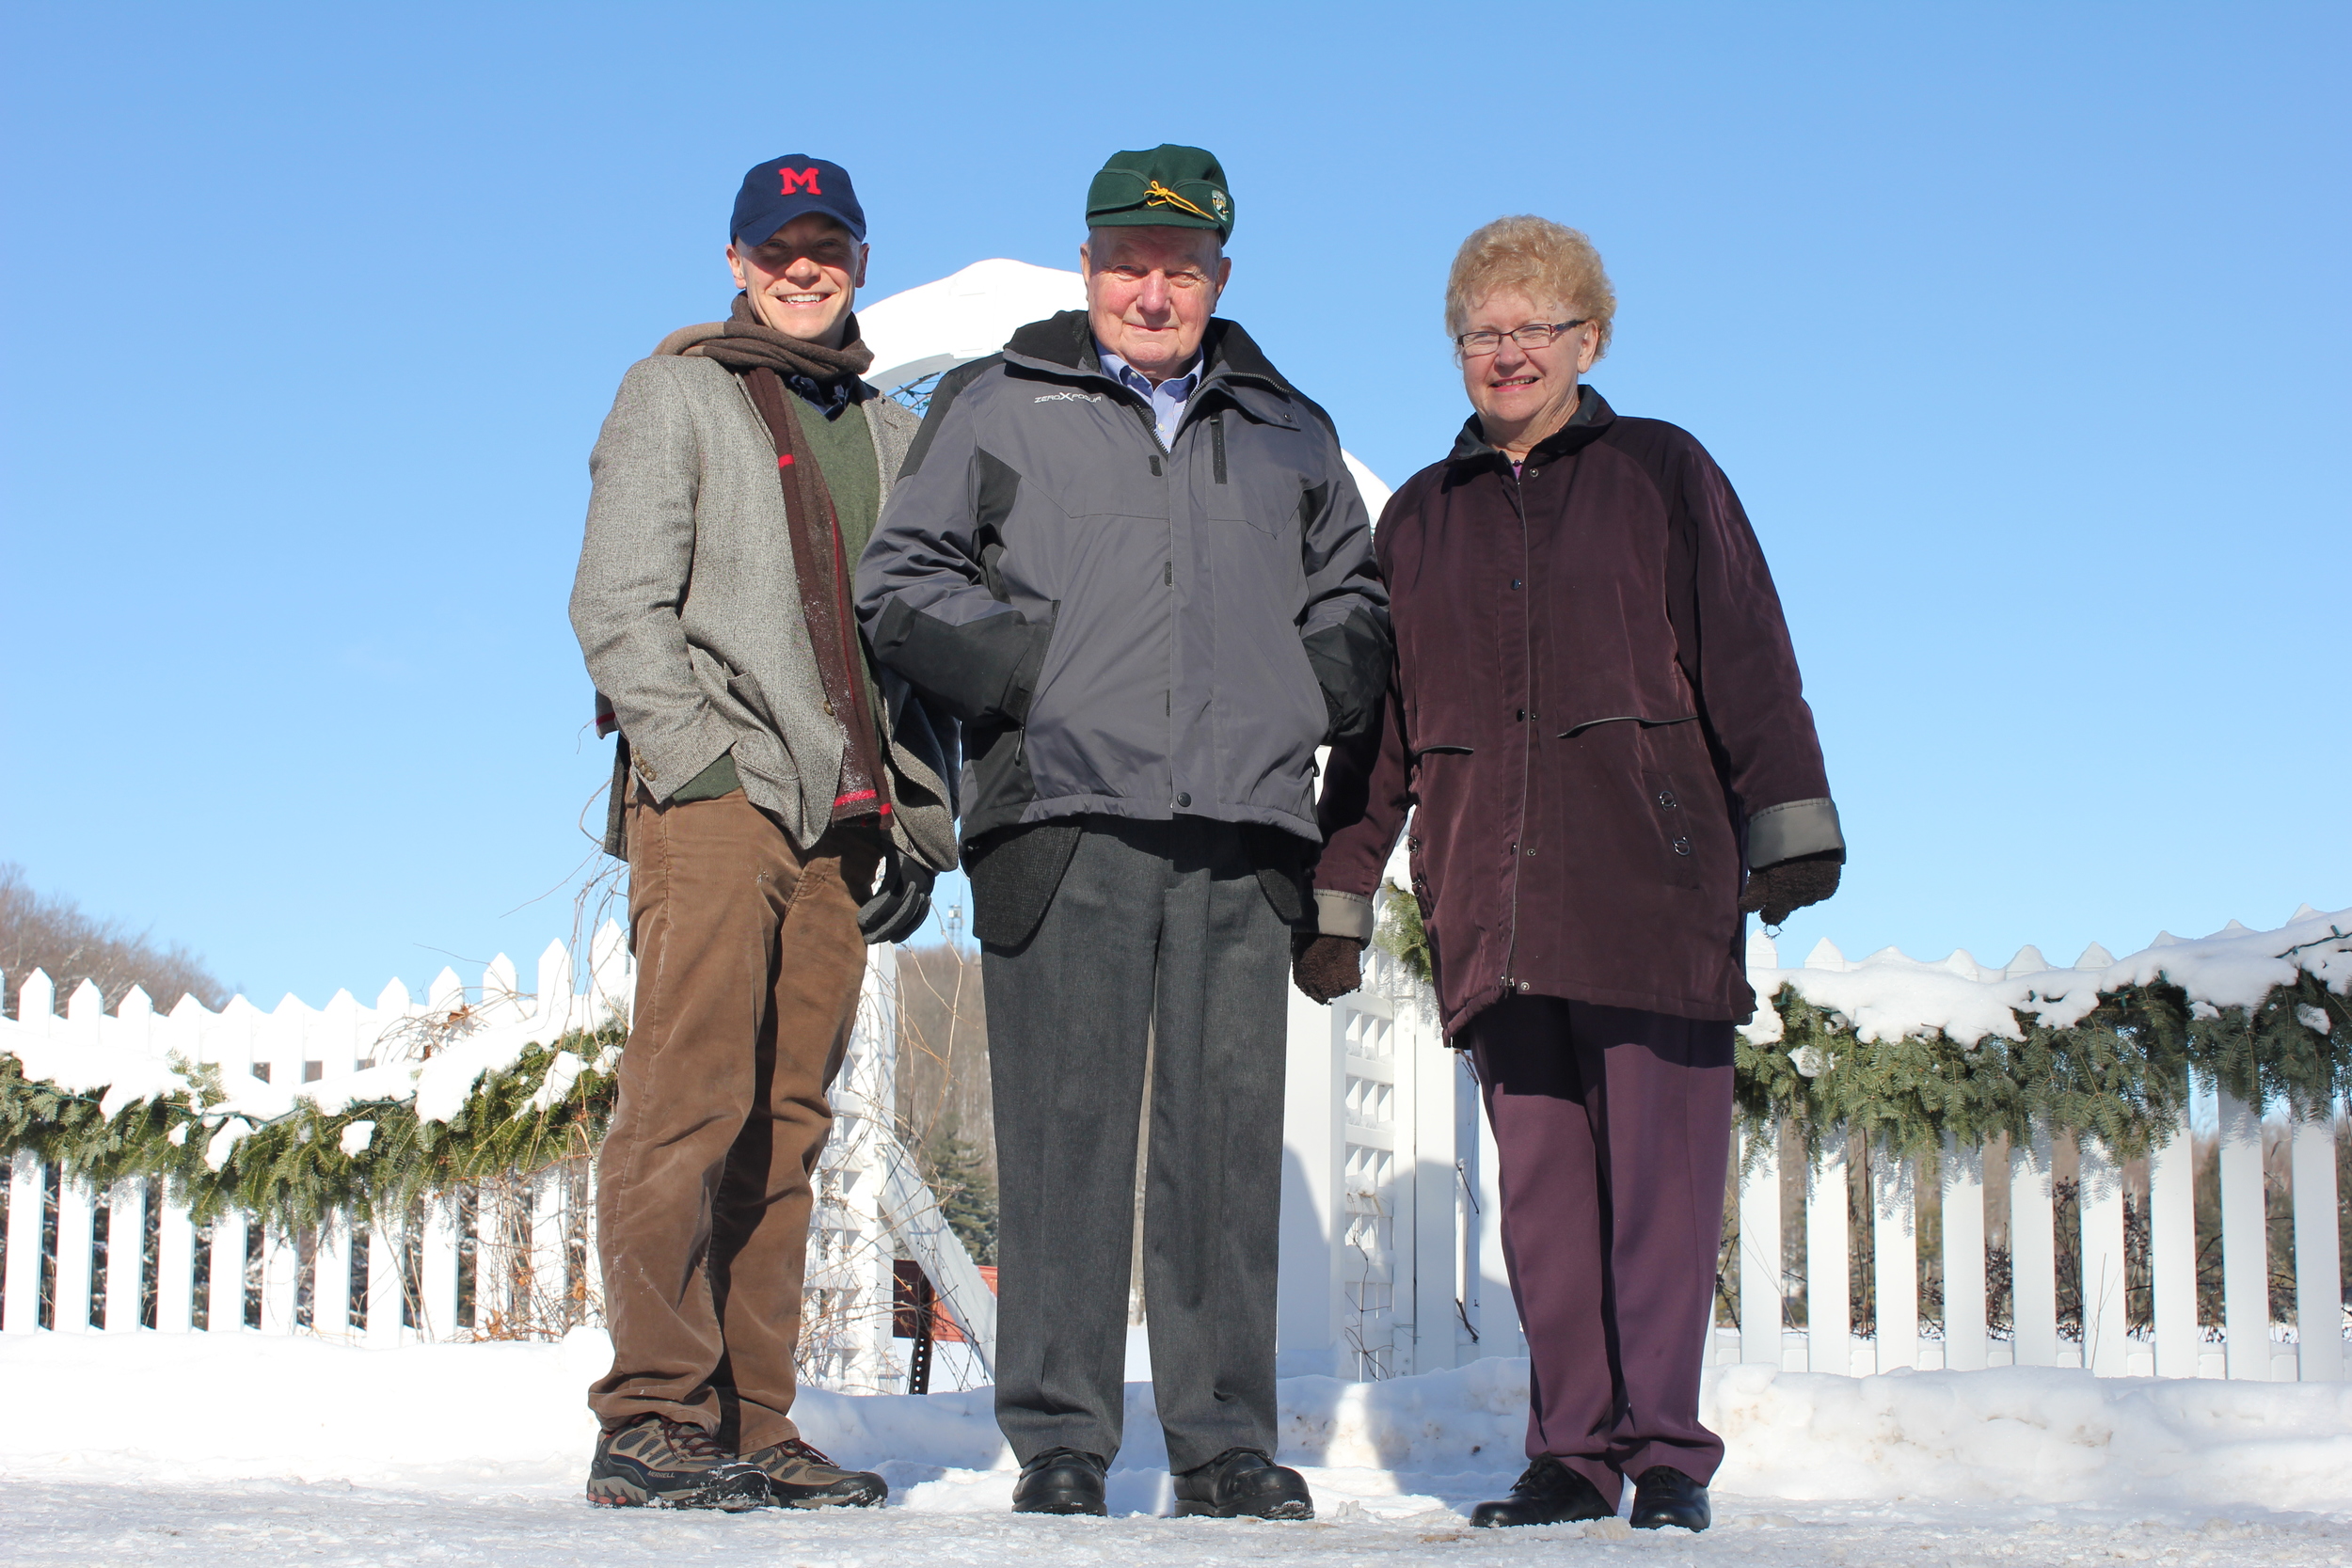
(844, 450)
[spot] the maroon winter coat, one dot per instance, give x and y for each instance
(1594, 708)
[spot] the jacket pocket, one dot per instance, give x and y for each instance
(752, 698)
(759, 754)
(1418, 763)
(1029, 677)
(1239, 488)
(1582, 724)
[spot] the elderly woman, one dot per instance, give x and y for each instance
(1597, 723)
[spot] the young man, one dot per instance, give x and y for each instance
(1127, 553)
(768, 772)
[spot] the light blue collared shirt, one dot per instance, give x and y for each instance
(1166, 400)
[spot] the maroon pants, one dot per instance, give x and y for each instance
(1614, 1130)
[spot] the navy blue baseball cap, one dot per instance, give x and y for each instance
(781, 189)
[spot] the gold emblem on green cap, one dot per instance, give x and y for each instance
(1167, 184)
(1158, 195)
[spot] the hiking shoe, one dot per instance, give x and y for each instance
(655, 1462)
(800, 1477)
(1548, 1493)
(1243, 1483)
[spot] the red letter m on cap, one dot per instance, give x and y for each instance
(805, 179)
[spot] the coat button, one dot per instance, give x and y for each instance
(1182, 798)
(1683, 846)
(1523, 985)
(1514, 582)
(1666, 799)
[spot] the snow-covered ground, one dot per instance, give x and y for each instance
(250, 1450)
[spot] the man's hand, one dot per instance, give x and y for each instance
(900, 903)
(1784, 886)
(1324, 967)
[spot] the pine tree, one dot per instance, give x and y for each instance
(966, 1189)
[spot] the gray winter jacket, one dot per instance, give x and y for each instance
(1125, 628)
(688, 609)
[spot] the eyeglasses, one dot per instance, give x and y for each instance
(1477, 345)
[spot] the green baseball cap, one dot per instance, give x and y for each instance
(1181, 187)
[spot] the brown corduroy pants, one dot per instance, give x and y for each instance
(749, 966)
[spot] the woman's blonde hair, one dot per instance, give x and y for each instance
(1535, 256)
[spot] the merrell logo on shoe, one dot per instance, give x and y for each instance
(805, 179)
(1072, 397)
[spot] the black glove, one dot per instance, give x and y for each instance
(1787, 885)
(901, 901)
(1323, 967)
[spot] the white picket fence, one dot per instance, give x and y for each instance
(1392, 1260)
(2173, 1343)
(130, 1256)
(508, 1258)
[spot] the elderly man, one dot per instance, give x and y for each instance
(1127, 554)
(1598, 725)
(764, 772)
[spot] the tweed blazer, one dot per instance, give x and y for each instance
(688, 609)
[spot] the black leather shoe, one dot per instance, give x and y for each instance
(1547, 1494)
(1243, 1483)
(1664, 1496)
(1060, 1480)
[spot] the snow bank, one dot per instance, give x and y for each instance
(1889, 994)
(481, 1418)
(2045, 1435)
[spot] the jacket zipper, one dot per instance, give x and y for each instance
(1527, 742)
(1527, 746)
(1020, 737)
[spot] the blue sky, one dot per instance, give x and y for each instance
(2020, 330)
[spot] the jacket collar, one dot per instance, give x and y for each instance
(1063, 345)
(1592, 415)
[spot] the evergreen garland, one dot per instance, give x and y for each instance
(295, 1171)
(1400, 934)
(2121, 1075)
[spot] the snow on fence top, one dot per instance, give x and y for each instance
(1890, 995)
(436, 1050)
(432, 1051)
